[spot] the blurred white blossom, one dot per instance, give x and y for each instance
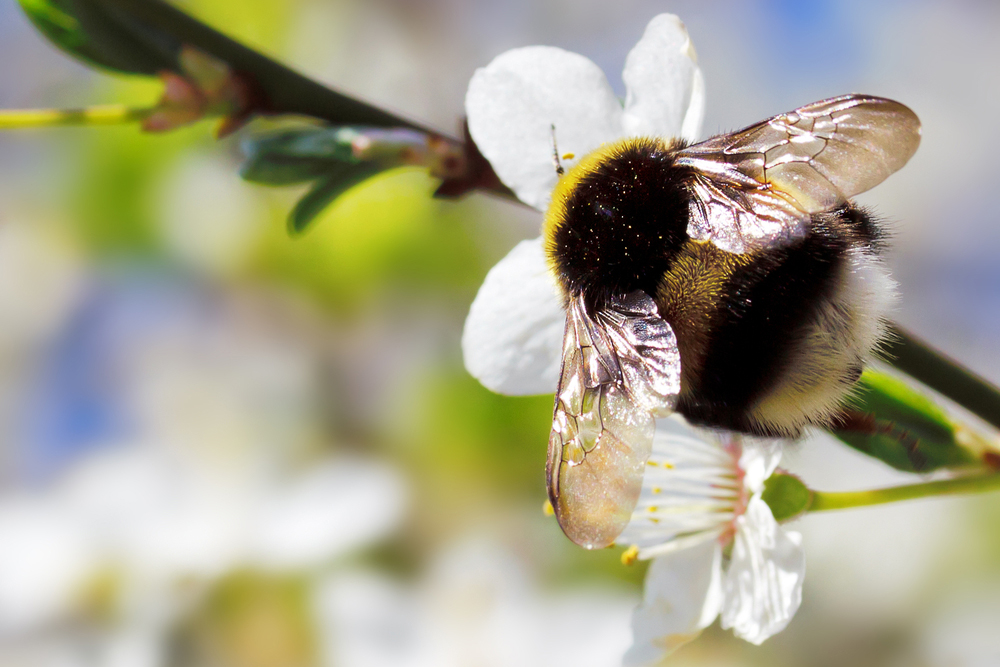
(212, 467)
(475, 606)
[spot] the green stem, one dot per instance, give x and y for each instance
(823, 501)
(112, 114)
(920, 361)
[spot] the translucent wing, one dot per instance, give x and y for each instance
(621, 369)
(758, 186)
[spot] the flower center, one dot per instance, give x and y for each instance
(693, 490)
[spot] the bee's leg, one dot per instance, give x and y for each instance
(854, 421)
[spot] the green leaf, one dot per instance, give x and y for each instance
(100, 34)
(145, 37)
(295, 156)
(330, 143)
(786, 495)
(340, 179)
(904, 428)
(282, 169)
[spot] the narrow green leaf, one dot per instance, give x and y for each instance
(281, 89)
(49, 17)
(102, 36)
(342, 177)
(294, 156)
(903, 427)
(270, 169)
(786, 495)
(329, 143)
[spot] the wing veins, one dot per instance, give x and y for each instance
(602, 427)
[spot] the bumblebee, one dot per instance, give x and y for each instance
(731, 281)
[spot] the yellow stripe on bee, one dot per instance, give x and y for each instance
(690, 295)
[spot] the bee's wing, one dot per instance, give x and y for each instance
(805, 161)
(621, 369)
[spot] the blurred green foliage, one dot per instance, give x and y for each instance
(327, 190)
(251, 619)
(322, 155)
(385, 236)
(114, 196)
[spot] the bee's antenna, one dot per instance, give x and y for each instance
(555, 153)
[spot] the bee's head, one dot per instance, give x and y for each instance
(617, 219)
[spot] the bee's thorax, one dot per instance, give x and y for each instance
(618, 219)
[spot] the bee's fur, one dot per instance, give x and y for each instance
(771, 340)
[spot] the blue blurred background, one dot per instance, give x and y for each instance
(223, 446)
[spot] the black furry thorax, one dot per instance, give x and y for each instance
(618, 219)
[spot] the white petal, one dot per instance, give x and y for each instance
(666, 92)
(513, 336)
(763, 587)
(759, 459)
(513, 102)
(690, 490)
(683, 595)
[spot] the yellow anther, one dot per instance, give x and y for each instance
(568, 156)
(656, 489)
(547, 509)
(630, 555)
(654, 508)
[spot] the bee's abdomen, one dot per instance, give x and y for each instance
(617, 219)
(789, 332)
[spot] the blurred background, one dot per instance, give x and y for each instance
(221, 446)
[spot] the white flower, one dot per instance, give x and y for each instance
(164, 527)
(475, 606)
(218, 471)
(513, 335)
(160, 518)
(699, 496)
